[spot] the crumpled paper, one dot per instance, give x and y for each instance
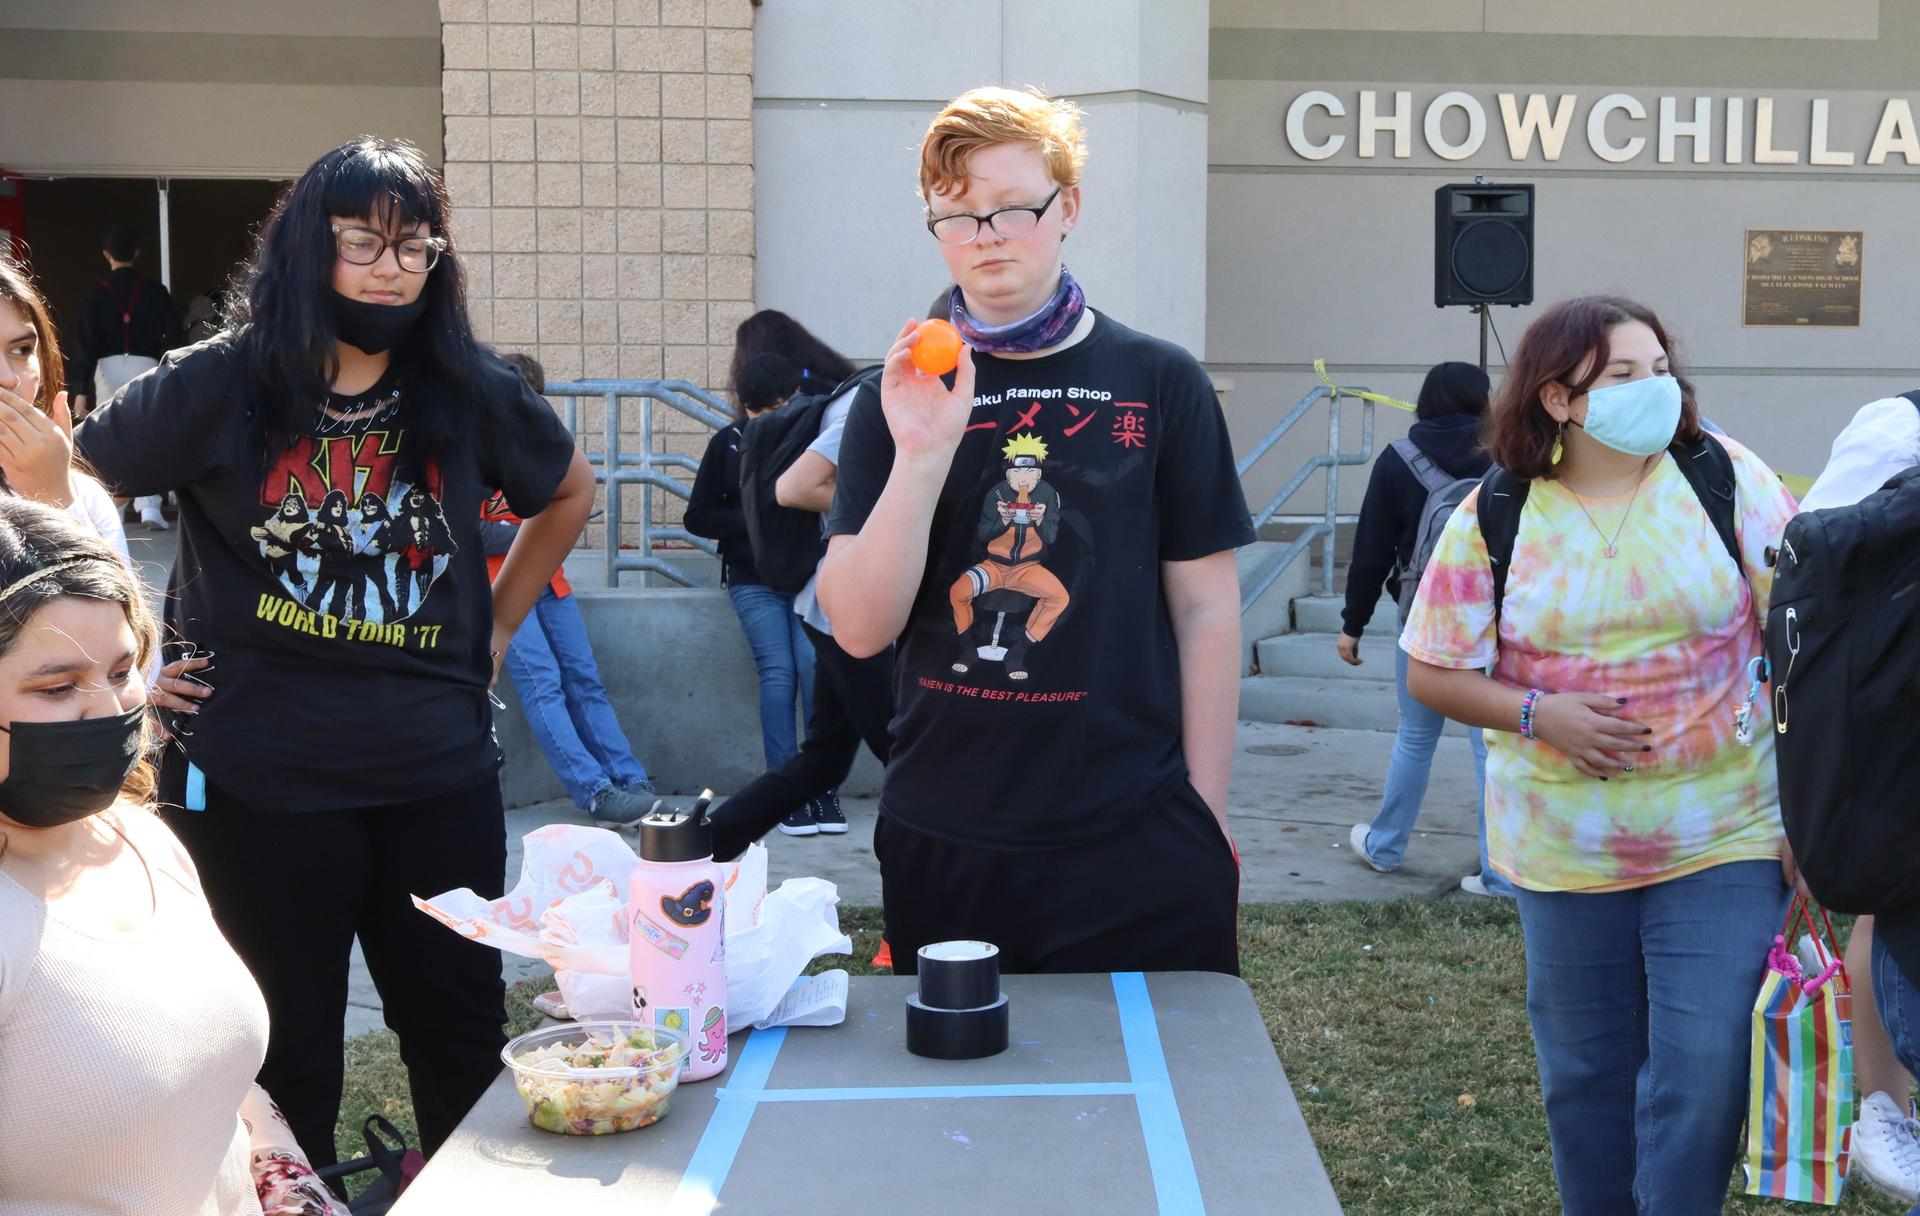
(569, 910)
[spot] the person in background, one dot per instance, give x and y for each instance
(771, 331)
(552, 665)
(127, 322)
(1881, 440)
(782, 653)
(852, 697)
(1633, 799)
(110, 962)
(1453, 401)
(347, 762)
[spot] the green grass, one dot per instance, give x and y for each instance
(1402, 1027)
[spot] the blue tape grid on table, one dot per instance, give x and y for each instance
(1175, 1184)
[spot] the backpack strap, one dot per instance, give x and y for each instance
(1706, 466)
(1502, 496)
(1709, 470)
(1432, 477)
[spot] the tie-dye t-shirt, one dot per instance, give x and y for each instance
(1668, 623)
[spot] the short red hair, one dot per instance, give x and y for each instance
(981, 118)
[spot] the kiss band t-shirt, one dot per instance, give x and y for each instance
(1037, 683)
(342, 588)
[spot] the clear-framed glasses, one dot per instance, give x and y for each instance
(364, 246)
(964, 229)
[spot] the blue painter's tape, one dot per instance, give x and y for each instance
(699, 1189)
(1169, 1157)
(924, 1093)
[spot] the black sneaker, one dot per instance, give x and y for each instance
(827, 815)
(800, 822)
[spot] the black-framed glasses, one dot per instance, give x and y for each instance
(364, 247)
(964, 229)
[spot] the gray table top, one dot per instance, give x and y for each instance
(1121, 1094)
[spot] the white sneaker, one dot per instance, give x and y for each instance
(1473, 884)
(1357, 838)
(153, 519)
(1886, 1148)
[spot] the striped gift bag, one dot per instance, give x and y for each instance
(1800, 1098)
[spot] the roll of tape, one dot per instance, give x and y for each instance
(956, 1034)
(959, 975)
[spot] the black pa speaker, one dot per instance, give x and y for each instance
(1482, 245)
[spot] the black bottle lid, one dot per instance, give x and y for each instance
(669, 835)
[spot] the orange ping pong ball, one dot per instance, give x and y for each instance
(938, 350)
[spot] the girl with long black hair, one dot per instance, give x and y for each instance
(347, 760)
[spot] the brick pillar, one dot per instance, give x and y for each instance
(600, 157)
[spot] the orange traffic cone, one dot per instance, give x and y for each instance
(884, 956)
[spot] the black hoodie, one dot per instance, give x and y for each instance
(1390, 515)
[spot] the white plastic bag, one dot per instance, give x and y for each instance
(569, 910)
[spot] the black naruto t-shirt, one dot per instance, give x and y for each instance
(1037, 682)
(340, 582)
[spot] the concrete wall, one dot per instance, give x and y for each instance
(843, 91)
(211, 88)
(1333, 257)
(681, 679)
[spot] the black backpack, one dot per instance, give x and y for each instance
(1706, 466)
(787, 542)
(1843, 637)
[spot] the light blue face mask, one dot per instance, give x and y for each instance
(1638, 418)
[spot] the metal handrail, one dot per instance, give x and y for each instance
(615, 468)
(1324, 526)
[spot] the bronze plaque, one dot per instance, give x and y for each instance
(1803, 276)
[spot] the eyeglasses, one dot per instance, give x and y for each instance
(364, 247)
(964, 229)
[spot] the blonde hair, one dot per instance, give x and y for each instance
(981, 118)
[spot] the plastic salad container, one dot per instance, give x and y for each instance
(596, 1078)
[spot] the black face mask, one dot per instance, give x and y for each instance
(374, 328)
(61, 772)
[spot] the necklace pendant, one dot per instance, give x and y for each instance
(1612, 552)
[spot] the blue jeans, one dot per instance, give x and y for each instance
(1407, 772)
(1641, 1003)
(1899, 1003)
(784, 658)
(566, 704)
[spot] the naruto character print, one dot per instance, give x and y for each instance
(1018, 524)
(346, 530)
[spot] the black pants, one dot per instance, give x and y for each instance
(852, 701)
(1161, 894)
(291, 891)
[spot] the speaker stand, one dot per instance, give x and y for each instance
(1485, 322)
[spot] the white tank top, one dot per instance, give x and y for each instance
(123, 1061)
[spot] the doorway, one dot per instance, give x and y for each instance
(211, 225)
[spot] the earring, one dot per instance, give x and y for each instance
(1559, 447)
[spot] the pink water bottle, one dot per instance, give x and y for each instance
(678, 943)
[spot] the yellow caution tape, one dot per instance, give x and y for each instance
(1320, 366)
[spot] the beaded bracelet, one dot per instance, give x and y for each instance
(1526, 712)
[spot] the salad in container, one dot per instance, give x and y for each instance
(596, 1078)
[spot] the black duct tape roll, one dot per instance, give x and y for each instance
(959, 975)
(956, 1034)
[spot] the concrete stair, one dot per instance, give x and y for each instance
(1272, 613)
(1302, 681)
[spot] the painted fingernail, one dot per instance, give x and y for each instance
(1620, 700)
(1647, 747)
